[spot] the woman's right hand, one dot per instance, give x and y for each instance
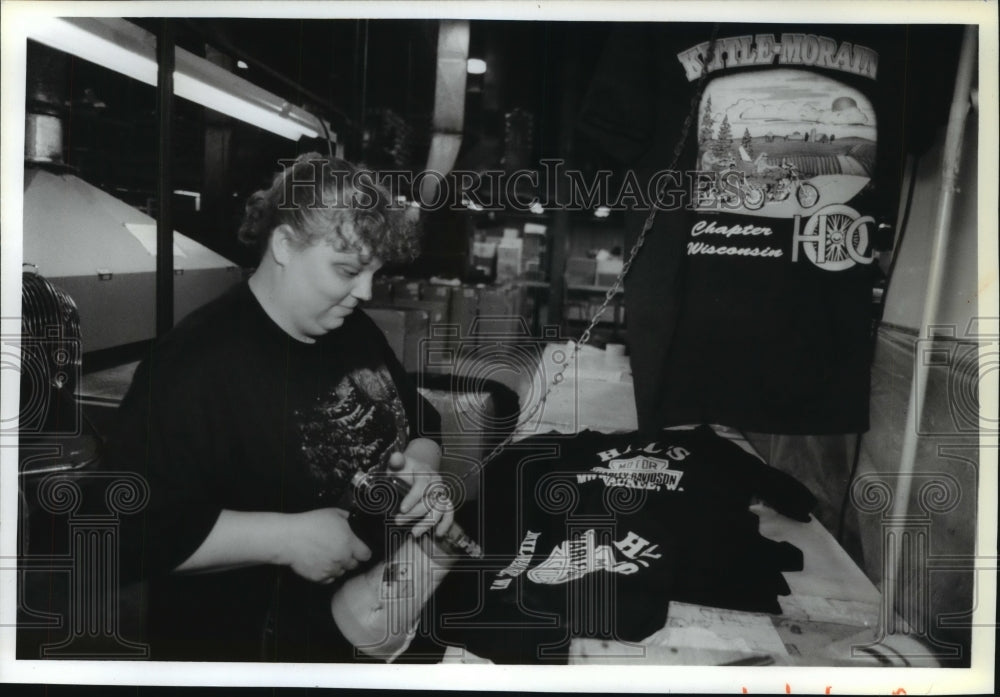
(320, 545)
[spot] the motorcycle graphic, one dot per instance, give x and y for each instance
(734, 194)
(805, 193)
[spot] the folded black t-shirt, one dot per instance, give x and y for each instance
(593, 535)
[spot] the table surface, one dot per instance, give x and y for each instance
(833, 609)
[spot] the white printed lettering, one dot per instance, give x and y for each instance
(678, 453)
(632, 545)
(793, 49)
(705, 228)
(702, 248)
(524, 554)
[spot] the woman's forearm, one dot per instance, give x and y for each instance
(239, 538)
(318, 545)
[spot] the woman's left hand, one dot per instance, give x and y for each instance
(427, 505)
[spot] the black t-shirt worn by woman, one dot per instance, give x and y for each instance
(229, 412)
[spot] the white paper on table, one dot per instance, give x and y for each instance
(698, 627)
(454, 654)
(855, 613)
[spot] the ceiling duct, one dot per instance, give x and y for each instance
(449, 103)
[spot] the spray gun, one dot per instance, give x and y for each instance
(376, 499)
(378, 609)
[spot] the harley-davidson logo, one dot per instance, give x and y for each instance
(639, 472)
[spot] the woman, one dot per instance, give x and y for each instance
(249, 419)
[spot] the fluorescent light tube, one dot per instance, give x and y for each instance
(128, 49)
(215, 87)
(120, 46)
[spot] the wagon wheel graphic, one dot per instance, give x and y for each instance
(838, 236)
(843, 235)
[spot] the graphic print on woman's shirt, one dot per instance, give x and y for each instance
(358, 425)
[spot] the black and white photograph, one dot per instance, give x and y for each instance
(500, 346)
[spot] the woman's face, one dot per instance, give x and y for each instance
(322, 285)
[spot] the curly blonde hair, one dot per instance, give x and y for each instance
(316, 196)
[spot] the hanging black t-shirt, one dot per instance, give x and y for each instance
(229, 412)
(592, 536)
(750, 304)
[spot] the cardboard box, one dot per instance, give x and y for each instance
(437, 310)
(449, 341)
(464, 308)
(532, 246)
(608, 271)
(499, 314)
(436, 292)
(404, 289)
(581, 271)
(404, 330)
(437, 323)
(508, 260)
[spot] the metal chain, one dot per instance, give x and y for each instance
(633, 253)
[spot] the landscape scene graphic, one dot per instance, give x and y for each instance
(794, 141)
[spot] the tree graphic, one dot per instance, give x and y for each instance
(705, 133)
(747, 142)
(724, 140)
